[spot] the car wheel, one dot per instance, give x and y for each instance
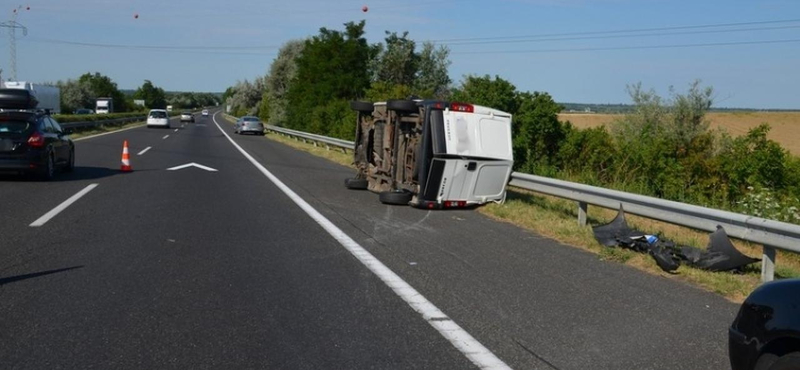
(399, 198)
(362, 106)
(404, 106)
(356, 184)
(770, 361)
(71, 163)
(48, 172)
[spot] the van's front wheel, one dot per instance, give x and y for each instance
(398, 198)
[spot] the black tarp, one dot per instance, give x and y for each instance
(720, 254)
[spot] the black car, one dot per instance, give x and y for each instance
(766, 332)
(30, 141)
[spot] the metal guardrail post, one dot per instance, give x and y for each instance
(768, 264)
(583, 209)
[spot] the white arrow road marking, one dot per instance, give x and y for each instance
(55, 211)
(144, 151)
(165, 136)
(200, 166)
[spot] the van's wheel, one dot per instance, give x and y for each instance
(356, 184)
(362, 106)
(405, 106)
(399, 198)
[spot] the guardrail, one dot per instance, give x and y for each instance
(116, 121)
(769, 233)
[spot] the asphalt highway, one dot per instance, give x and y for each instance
(257, 257)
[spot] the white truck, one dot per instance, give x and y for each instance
(49, 97)
(104, 106)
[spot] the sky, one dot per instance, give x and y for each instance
(562, 47)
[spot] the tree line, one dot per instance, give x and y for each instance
(83, 93)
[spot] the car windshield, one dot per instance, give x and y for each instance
(14, 127)
(158, 114)
(250, 119)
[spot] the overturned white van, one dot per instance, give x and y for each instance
(432, 154)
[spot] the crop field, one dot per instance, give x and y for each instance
(785, 125)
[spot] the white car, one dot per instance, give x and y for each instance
(158, 118)
(187, 117)
(205, 113)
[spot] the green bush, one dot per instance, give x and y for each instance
(66, 118)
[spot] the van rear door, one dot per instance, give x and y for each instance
(473, 181)
(478, 133)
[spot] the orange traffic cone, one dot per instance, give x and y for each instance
(126, 158)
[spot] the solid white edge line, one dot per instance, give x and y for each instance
(463, 341)
(55, 211)
(144, 151)
(165, 137)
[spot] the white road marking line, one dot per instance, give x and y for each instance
(144, 151)
(55, 211)
(200, 166)
(165, 136)
(108, 133)
(458, 337)
(176, 130)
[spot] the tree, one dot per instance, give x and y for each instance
(103, 87)
(538, 133)
(332, 66)
(432, 78)
(154, 97)
(246, 97)
(277, 82)
(397, 63)
(496, 93)
(76, 95)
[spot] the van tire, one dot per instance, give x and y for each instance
(362, 106)
(399, 198)
(404, 106)
(356, 184)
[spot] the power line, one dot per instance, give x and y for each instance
(618, 31)
(150, 47)
(620, 36)
(672, 46)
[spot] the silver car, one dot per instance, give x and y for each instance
(249, 124)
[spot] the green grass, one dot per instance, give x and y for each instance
(557, 218)
(101, 129)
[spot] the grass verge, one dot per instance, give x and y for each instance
(102, 129)
(557, 218)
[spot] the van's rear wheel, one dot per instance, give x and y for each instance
(398, 198)
(356, 184)
(362, 106)
(404, 106)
